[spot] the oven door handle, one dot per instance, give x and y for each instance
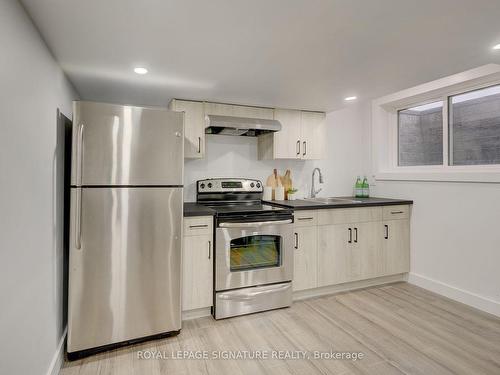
(254, 224)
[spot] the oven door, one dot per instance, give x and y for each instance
(253, 253)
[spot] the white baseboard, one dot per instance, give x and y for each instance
(332, 289)
(197, 313)
(58, 359)
(460, 295)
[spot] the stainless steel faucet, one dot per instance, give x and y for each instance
(314, 192)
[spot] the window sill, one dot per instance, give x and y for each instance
(487, 176)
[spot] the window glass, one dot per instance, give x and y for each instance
(253, 252)
(474, 123)
(420, 135)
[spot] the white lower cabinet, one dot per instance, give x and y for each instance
(334, 254)
(197, 263)
(396, 247)
(351, 246)
(367, 243)
(305, 258)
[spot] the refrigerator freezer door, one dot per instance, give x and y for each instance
(125, 279)
(126, 145)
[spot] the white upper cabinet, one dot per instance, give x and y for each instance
(219, 109)
(253, 112)
(313, 135)
(222, 109)
(287, 140)
(302, 136)
(194, 127)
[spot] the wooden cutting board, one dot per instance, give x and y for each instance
(272, 180)
(286, 181)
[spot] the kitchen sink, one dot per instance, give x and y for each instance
(333, 200)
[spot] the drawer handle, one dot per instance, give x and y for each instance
(397, 212)
(305, 218)
(198, 226)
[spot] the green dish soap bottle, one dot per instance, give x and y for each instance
(358, 188)
(366, 188)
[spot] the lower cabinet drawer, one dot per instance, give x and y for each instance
(349, 215)
(396, 212)
(198, 225)
(305, 218)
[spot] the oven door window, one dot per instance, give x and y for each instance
(253, 252)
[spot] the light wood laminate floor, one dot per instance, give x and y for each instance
(400, 328)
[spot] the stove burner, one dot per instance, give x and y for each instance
(234, 196)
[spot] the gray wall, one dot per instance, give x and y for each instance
(421, 137)
(32, 88)
(476, 131)
(474, 127)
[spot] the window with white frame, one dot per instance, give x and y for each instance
(474, 127)
(420, 135)
(465, 125)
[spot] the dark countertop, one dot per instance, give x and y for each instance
(300, 204)
(195, 209)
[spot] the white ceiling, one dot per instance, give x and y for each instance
(306, 54)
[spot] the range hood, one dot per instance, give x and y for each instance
(242, 126)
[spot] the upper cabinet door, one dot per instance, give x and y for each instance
(194, 128)
(126, 145)
(287, 142)
(313, 135)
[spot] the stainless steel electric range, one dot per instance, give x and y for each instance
(253, 247)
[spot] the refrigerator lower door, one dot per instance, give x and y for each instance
(125, 265)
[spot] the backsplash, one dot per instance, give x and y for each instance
(347, 157)
(228, 156)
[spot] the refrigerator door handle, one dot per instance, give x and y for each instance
(78, 218)
(79, 156)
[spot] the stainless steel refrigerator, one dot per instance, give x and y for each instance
(125, 225)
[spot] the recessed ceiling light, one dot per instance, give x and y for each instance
(349, 98)
(497, 46)
(140, 70)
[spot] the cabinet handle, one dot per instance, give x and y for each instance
(78, 218)
(209, 249)
(305, 149)
(296, 246)
(350, 236)
(305, 218)
(355, 235)
(199, 145)
(198, 226)
(386, 236)
(297, 148)
(396, 212)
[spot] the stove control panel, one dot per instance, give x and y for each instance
(228, 185)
